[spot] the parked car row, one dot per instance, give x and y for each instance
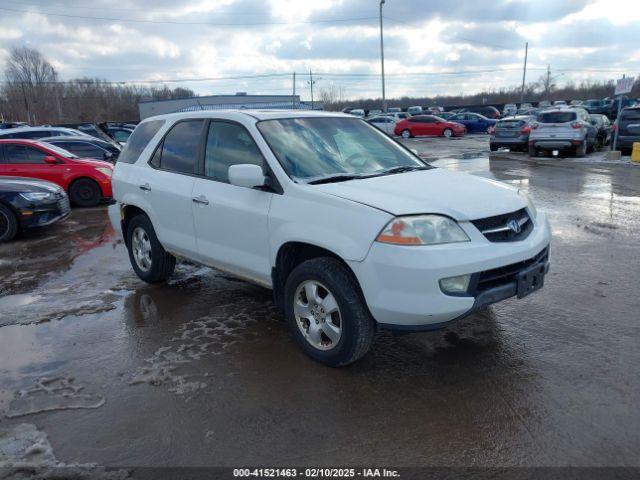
(566, 129)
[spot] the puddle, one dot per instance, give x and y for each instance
(50, 394)
(196, 339)
(18, 300)
(25, 453)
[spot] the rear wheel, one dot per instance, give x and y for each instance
(447, 132)
(151, 262)
(581, 150)
(326, 312)
(85, 193)
(406, 133)
(8, 224)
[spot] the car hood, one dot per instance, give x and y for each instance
(93, 162)
(24, 185)
(458, 195)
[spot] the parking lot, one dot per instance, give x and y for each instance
(101, 368)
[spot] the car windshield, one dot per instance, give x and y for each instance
(60, 151)
(557, 117)
(312, 148)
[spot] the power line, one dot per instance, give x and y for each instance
(172, 22)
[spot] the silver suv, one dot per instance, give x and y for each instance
(563, 129)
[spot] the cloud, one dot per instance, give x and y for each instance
(338, 38)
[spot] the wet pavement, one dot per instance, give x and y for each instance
(98, 367)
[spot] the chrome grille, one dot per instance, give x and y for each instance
(509, 227)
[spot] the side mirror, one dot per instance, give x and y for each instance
(50, 159)
(108, 156)
(247, 175)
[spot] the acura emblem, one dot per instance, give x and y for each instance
(514, 226)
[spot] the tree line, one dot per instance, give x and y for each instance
(543, 89)
(32, 93)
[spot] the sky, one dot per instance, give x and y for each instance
(431, 46)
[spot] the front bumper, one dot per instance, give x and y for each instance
(401, 284)
(43, 214)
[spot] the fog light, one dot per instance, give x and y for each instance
(458, 284)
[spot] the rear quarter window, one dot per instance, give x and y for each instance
(139, 139)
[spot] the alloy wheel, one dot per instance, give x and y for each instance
(141, 246)
(317, 315)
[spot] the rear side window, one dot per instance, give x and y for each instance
(180, 148)
(139, 140)
(20, 154)
(557, 117)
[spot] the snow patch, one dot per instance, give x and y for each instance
(49, 394)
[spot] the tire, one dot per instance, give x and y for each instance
(493, 148)
(8, 224)
(581, 150)
(149, 259)
(354, 322)
(406, 133)
(85, 192)
(447, 132)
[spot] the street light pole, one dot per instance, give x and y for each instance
(524, 71)
(384, 99)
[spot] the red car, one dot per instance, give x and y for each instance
(87, 181)
(428, 125)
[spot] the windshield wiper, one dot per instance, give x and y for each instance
(343, 177)
(402, 169)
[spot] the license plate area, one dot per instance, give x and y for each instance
(531, 279)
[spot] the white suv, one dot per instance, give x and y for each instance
(351, 230)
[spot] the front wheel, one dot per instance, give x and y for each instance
(447, 132)
(85, 193)
(326, 312)
(8, 224)
(151, 262)
(406, 133)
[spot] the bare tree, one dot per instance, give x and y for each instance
(332, 94)
(30, 76)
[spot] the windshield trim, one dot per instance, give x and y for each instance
(357, 119)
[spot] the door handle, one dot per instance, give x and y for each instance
(202, 200)
(146, 187)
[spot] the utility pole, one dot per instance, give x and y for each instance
(547, 84)
(384, 98)
(524, 71)
(293, 96)
(615, 133)
(311, 82)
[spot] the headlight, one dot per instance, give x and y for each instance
(106, 171)
(530, 206)
(37, 196)
(422, 230)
